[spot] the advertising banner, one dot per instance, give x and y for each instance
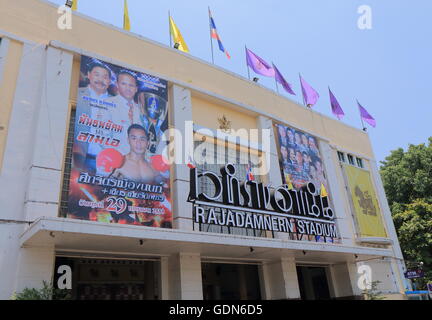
(301, 163)
(118, 173)
(365, 202)
(299, 158)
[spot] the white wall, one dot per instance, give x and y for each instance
(31, 176)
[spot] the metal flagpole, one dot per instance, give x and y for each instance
(304, 102)
(363, 126)
(247, 66)
(169, 27)
(211, 41)
(277, 89)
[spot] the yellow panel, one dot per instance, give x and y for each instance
(7, 91)
(365, 201)
(206, 114)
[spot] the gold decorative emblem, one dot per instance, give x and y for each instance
(224, 124)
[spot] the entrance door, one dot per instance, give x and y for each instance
(111, 279)
(313, 283)
(230, 282)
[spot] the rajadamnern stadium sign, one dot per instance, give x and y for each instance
(251, 204)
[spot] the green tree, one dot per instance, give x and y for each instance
(407, 179)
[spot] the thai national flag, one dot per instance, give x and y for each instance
(249, 175)
(191, 163)
(215, 35)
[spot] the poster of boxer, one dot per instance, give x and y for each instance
(119, 173)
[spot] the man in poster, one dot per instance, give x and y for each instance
(91, 99)
(126, 111)
(120, 181)
(135, 166)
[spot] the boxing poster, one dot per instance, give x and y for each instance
(119, 173)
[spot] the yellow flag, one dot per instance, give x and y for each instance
(126, 21)
(323, 191)
(177, 36)
(74, 5)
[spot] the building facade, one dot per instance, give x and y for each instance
(266, 199)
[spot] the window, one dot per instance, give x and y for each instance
(237, 155)
(359, 162)
(341, 156)
(351, 160)
(68, 165)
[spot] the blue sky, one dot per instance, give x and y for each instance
(385, 68)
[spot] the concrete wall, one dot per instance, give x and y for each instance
(31, 176)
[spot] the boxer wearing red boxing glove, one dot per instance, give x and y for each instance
(135, 166)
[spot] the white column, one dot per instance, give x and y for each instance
(403, 284)
(17, 161)
(164, 278)
(45, 181)
(181, 111)
(337, 192)
(274, 174)
(35, 265)
(341, 282)
(185, 279)
(264, 281)
(282, 278)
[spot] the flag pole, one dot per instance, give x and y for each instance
(211, 41)
(277, 88)
(247, 66)
(301, 85)
(169, 27)
(363, 126)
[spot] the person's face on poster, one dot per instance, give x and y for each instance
(99, 80)
(284, 153)
(282, 132)
(318, 168)
(127, 86)
(299, 158)
(312, 144)
(297, 138)
(290, 136)
(304, 140)
(138, 142)
(292, 155)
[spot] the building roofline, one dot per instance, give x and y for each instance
(199, 60)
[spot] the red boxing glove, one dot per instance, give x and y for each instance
(159, 163)
(109, 159)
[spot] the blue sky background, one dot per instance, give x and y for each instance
(386, 68)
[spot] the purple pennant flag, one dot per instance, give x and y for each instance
(366, 116)
(258, 65)
(336, 108)
(310, 96)
(279, 78)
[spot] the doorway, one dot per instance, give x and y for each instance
(230, 281)
(111, 279)
(313, 283)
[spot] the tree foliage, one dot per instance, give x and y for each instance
(407, 179)
(47, 292)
